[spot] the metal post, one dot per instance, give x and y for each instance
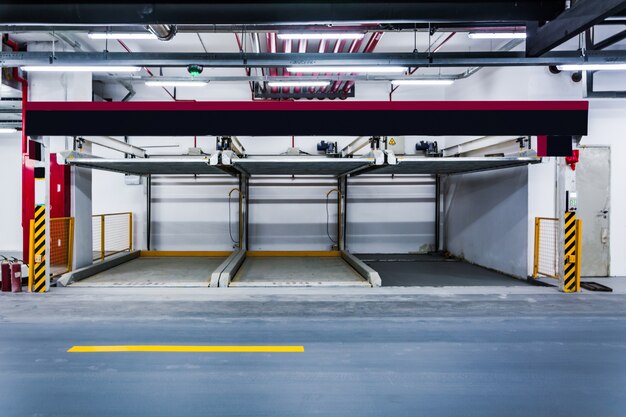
(70, 244)
(102, 225)
(130, 232)
(246, 222)
(437, 212)
(345, 212)
(148, 210)
(536, 252)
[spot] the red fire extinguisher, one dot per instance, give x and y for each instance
(16, 276)
(5, 266)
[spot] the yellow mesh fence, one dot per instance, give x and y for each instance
(546, 247)
(112, 233)
(61, 245)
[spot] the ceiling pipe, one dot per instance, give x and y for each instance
(271, 48)
(354, 47)
(287, 50)
(338, 48)
(301, 49)
(163, 32)
(369, 47)
(24, 83)
(320, 50)
(234, 59)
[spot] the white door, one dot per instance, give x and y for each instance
(593, 174)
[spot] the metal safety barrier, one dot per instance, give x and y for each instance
(61, 249)
(112, 233)
(553, 260)
(546, 247)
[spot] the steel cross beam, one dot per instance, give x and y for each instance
(578, 18)
(252, 60)
(275, 11)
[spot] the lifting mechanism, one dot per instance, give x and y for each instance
(365, 154)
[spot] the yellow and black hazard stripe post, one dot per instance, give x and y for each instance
(38, 250)
(572, 252)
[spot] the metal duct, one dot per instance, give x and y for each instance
(162, 32)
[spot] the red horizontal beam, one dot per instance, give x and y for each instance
(313, 106)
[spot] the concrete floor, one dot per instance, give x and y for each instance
(434, 271)
(164, 272)
(297, 271)
(518, 351)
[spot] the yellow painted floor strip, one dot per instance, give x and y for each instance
(153, 348)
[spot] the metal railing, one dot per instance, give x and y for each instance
(546, 255)
(112, 233)
(61, 249)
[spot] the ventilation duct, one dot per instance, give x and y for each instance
(163, 32)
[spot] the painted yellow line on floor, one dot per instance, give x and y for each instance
(256, 349)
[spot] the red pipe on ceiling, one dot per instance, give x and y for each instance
(354, 47)
(338, 48)
(271, 47)
(369, 47)
(301, 49)
(286, 49)
(320, 50)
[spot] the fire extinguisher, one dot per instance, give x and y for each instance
(16, 276)
(5, 266)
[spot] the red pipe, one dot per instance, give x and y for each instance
(286, 49)
(338, 47)
(369, 47)
(271, 47)
(147, 69)
(412, 70)
(354, 46)
(320, 50)
(28, 176)
(301, 49)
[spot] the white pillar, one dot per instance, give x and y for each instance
(67, 86)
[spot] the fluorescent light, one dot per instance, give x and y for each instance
(330, 35)
(8, 130)
(77, 68)
(497, 35)
(422, 82)
(104, 35)
(181, 83)
(298, 83)
(356, 70)
(592, 67)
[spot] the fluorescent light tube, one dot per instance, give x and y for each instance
(592, 67)
(356, 70)
(79, 68)
(104, 35)
(313, 36)
(298, 83)
(8, 130)
(181, 83)
(422, 82)
(497, 35)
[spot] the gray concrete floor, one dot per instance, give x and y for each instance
(434, 271)
(168, 272)
(296, 271)
(520, 351)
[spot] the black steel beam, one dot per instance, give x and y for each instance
(578, 18)
(252, 60)
(277, 11)
(611, 40)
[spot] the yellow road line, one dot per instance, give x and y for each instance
(156, 348)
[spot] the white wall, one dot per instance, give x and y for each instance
(485, 220)
(11, 180)
(606, 127)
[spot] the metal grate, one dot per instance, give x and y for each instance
(546, 247)
(112, 233)
(61, 245)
